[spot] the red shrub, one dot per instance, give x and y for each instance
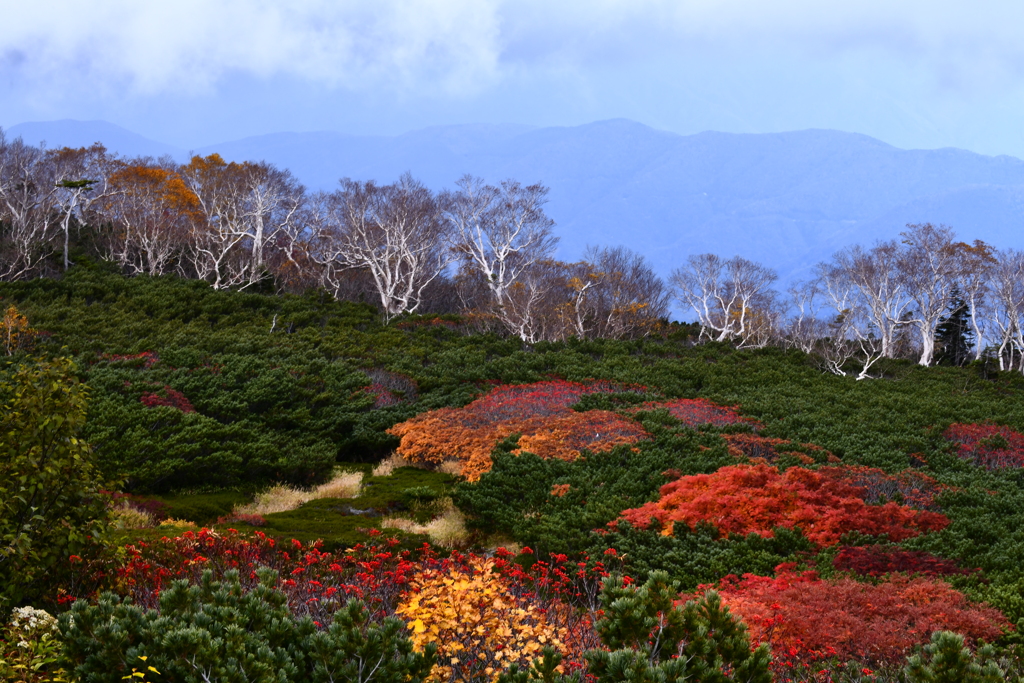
(874, 560)
(988, 446)
(765, 449)
(745, 499)
(317, 583)
(241, 518)
(806, 619)
(168, 397)
(390, 388)
(700, 411)
(908, 487)
(146, 359)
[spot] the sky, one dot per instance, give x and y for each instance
(914, 73)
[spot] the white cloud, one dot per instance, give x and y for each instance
(189, 45)
(459, 47)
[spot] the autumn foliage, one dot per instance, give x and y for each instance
(746, 499)
(169, 397)
(988, 446)
(768, 450)
(15, 333)
(540, 412)
(875, 560)
(805, 618)
(908, 487)
(479, 625)
(696, 412)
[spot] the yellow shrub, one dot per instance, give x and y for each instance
(479, 626)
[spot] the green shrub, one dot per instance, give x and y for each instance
(650, 638)
(50, 501)
(219, 631)
(947, 660)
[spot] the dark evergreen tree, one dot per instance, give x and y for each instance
(954, 337)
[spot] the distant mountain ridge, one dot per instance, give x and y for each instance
(787, 200)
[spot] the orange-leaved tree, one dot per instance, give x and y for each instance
(15, 332)
(479, 625)
(805, 618)
(151, 213)
(745, 499)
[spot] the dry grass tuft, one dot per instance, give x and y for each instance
(285, 498)
(125, 516)
(389, 464)
(182, 523)
(453, 467)
(343, 485)
(402, 524)
(275, 499)
(447, 529)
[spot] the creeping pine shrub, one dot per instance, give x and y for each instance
(745, 499)
(947, 659)
(806, 619)
(216, 630)
(649, 636)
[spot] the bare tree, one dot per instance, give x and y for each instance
(805, 328)
(976, 264)
(244, 206)
(733, 299)
(27, 222)
(620, 292)
(869, 281)
(929, 266)
(850, 330)
(500, 231)
(535, 304)
(151, 213)
(396, 232)
(81, 179)
(1008, 306)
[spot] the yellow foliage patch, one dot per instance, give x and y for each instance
(480, 627)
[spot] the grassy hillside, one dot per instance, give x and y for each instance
(201, 399)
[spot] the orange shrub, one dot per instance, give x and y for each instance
(745, 499)
(805, 618)
(479, 625)
(564, 437)
(540, 412)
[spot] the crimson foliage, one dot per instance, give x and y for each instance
(745, 499)
(988, 446)
(875, 560)
(806, 618)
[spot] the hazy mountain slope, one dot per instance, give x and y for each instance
(786, 199)
(71, 133)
